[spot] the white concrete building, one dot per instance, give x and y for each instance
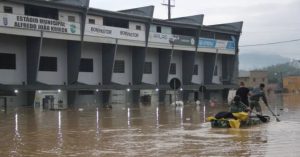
(64, 53)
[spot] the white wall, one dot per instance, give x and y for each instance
(132, 25)
(198, 79)
(63, 16)
(54, 48)
(92, 51)
(98, 19)
(217, 79)
(152, 56)
(124, 53)
(14, 45)
(17, 8)
(176, 58)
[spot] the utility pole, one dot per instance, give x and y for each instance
(169, 4)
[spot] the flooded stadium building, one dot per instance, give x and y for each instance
(64, 53)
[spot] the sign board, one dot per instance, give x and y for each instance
(114, 32)
(175, 83)
(39, 24)
(169, 38)
(213, 43)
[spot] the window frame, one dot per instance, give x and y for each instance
(172, 69)
(8, 63)
(8, 7)
(43, 66)
(119, 66)
(148, 68)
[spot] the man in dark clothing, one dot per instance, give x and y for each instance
(256, 94)
(243, 92)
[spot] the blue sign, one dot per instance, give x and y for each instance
(207, 43)
(230, 45)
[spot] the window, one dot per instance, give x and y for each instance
(48, 64)
(195, 72)
(86, 65)
(92, 21)
(138, 27)
(86, 92)
(216, 71)
(119, 66)
(108, 21)
(39, 11)
(158, 29)
(71, 18)
(8, 9)
(173, 68)
(148, 68)
(7, 61)
(207, 34)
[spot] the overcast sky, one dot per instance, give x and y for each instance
(264, 20)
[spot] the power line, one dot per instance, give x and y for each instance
(271, 43)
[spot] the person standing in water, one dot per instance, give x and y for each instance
(243, 92)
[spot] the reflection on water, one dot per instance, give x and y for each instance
(146, 131)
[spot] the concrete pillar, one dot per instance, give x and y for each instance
(33, 56)
(209, 62)
(108, 58)
(188, 61)
(73, 57)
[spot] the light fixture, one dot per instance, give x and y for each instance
(39, 91)
(181, 89)
(97, 90)
(128, 89)
(16, 91)
(58, 90)
(156, 89)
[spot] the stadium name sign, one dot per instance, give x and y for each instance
(40, 24)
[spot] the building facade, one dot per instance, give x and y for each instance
(253, 78)
(64, 53)
(291, 84)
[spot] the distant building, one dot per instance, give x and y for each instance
(295, 63)
(292, 84)
(253, 78)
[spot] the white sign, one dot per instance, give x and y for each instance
(171, 38)
(160, 38)
(37, 23)
(114, 32)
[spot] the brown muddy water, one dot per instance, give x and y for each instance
(151, 130)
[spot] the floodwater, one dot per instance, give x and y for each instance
(147, 130)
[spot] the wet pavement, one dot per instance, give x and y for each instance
(147, 130)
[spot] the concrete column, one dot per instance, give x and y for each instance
(108, 58)
(135, 96)
(209, 62)
(73, 57)
(33, 55)
(105, 97)
(71, 98)
(188, 61)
